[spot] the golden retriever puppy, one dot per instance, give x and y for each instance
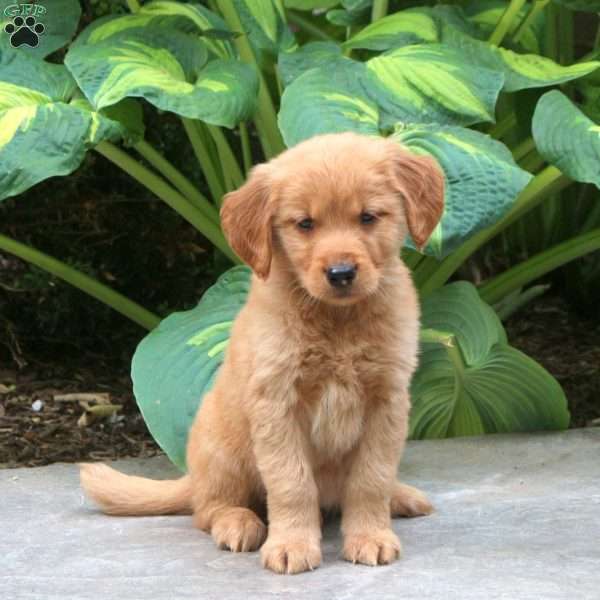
(310, 407)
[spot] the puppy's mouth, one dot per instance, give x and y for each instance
(344, 295)
(341, 299)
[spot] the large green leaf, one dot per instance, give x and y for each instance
(521, 71)
(45, 130)
(423, 83)
(186, 17)
(566, 138)
(396, 30)
(413, 84)
(176, 364)
(524, 71)
(292, 64)
(210, 25)
(415, 26)
(479, 384)
(327, 101)
(482, 180)
(59, 19)
(167, 68)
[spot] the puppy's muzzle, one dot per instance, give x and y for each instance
(341, 275)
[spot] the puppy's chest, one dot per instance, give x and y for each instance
(335, 389)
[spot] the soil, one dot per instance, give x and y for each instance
(568, 346)
(36, 428)
(41, 416)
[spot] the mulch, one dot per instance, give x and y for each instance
(43, 418)
(568, 345)
(38, 426)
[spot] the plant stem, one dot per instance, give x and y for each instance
(379, 10)
(546, 183)
(551, 31)
(457, 359)
(84, 282)
(165, 192)
(278, 81)
(533, 162)
(133, 5)
(266, 116)
(246, 149)
(508, 306)
(523, 149)
(507, 124)
(178, 179)
(204, 158)
(592, 218)
(565, 36)
(411, 258)
(229, 164)
(427, 267)
(506, 21)
(534, 11)
(540, 264)
(310, 28)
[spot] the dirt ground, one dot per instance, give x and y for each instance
(42, 422)
(568, 346)
(41, 419)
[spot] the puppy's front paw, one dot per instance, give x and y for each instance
(291, 554)
(372, 548)
(239, 530)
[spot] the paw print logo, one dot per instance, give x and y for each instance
(24, 32)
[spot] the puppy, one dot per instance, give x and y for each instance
(310, 407)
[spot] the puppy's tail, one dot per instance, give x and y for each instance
(120, 494)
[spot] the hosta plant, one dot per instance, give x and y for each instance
(468, 83)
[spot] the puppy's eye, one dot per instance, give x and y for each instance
(306, 224)
(366, 218)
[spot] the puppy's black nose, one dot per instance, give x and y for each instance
(341, 275)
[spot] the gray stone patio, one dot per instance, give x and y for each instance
(518, 517)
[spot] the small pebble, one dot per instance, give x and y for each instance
(37, 406)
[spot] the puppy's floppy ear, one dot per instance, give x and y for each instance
(246, 219)
(420, 181)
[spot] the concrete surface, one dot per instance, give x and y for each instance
(517, 518)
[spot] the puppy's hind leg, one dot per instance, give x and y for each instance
(408, 501)
(234, 528)
(225, 483)
(221, 499)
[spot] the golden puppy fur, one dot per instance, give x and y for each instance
(310, 407)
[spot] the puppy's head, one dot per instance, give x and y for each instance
(333, 211)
